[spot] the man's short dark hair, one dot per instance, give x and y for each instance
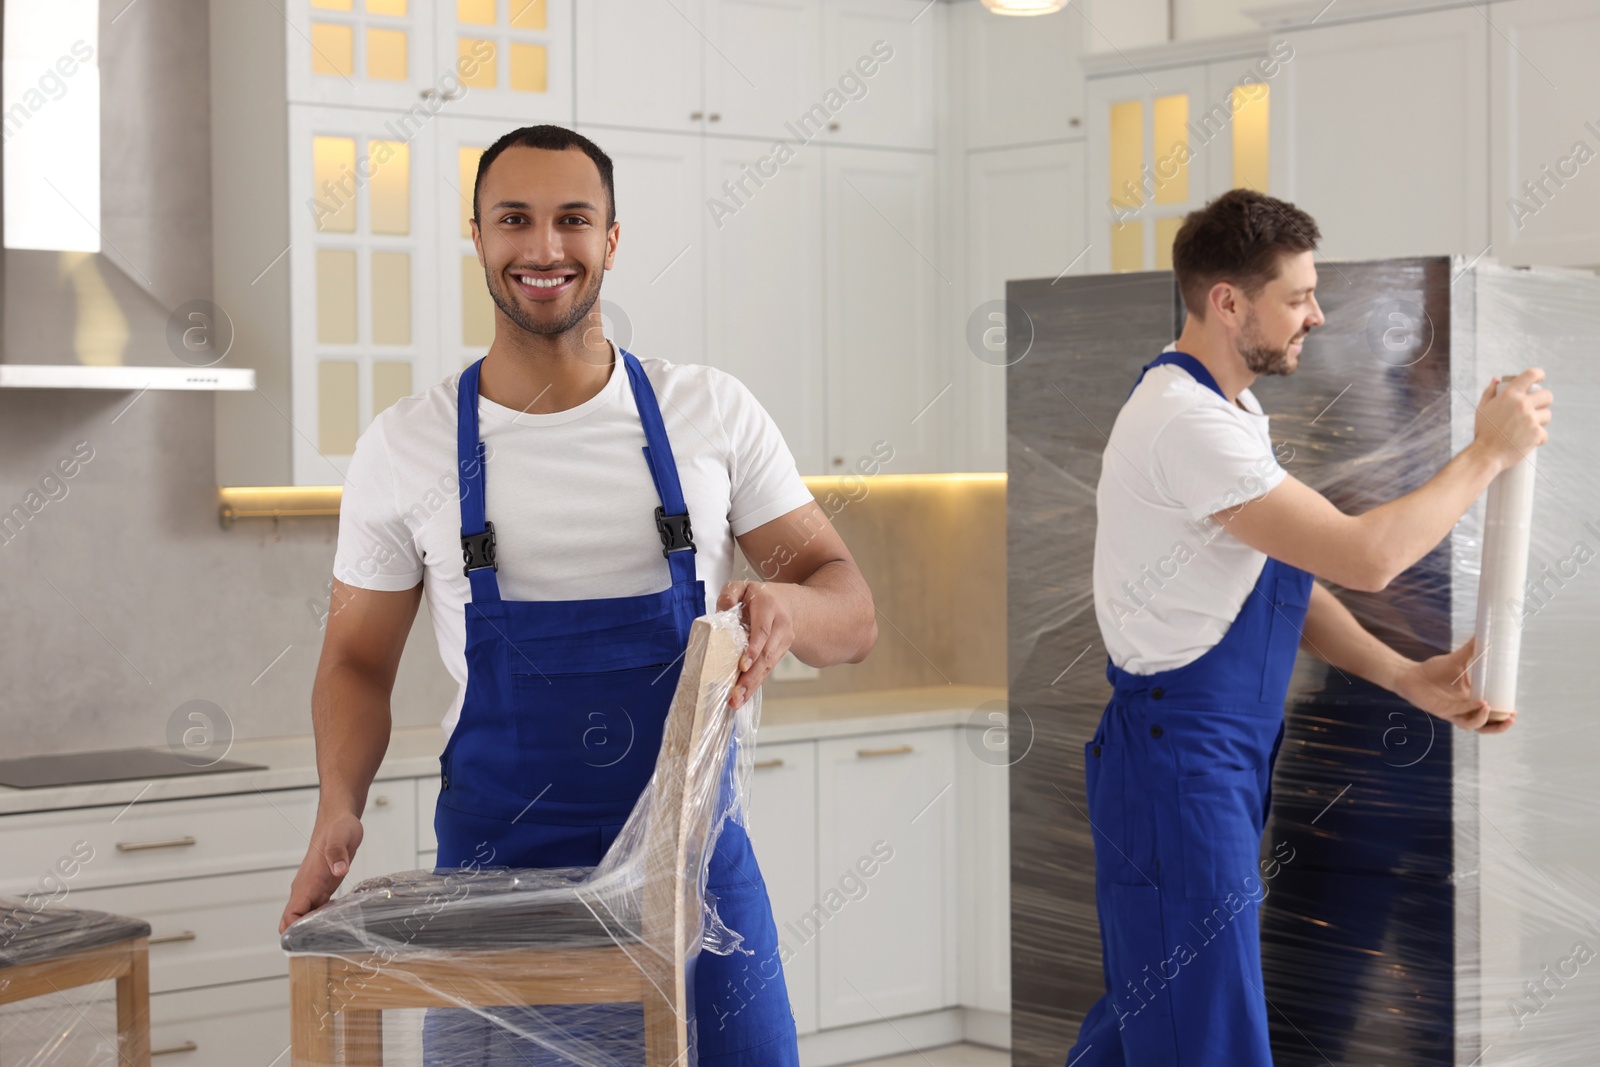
(556, 139)
(1239, 237)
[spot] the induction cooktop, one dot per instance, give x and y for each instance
(110, 765)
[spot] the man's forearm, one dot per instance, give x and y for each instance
(350, 715)
(1334, 636)
(834, 617)
(1411, 526)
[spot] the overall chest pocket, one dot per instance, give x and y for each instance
(1220, 815)
(588, 721)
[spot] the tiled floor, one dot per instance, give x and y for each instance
(948, 1056)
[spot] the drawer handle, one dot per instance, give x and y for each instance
(143, 846)
(187, 1046)
(764, 764)
(898, 750)
(167, 939)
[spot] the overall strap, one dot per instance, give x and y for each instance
(477, 532)
(672, 517)
(1196, 369)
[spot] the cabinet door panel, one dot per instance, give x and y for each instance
(1544, 84)
(654, 297)
(361, 262)
(1020, 224)
(783, 829)
(894, 105)
(887, 388)
(1381, 134)
(368, 55)
(886, 807)
(512, 59)
(639, 64)
(763, 241)
(762, 64)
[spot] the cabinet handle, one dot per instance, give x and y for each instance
(764, 764)
(833, 126)
(187, 1046)
(167, 939)
(898, 750)
(838, 461)
(715, 116)
(380, 801)
(696, 116)
(144, 846)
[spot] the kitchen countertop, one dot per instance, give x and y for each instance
(414, 752)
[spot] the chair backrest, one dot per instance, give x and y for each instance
(681, 806)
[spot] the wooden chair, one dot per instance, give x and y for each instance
(51, 950)
(533, 937)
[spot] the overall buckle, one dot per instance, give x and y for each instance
(676, 534)
(478, 550)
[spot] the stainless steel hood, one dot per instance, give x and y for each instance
(115, 292)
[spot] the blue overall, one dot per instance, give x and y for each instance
(565, 706)
(1179, 777)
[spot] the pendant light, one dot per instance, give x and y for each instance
(1025, 7)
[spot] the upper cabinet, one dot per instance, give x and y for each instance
(1382, 135)
(830, 71)
(491, 58)
(1544, 132)
(1164, 140)
(1020, 80)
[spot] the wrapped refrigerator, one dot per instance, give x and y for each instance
(1431, 895)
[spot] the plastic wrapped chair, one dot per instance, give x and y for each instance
(50, 950)
(625, 932)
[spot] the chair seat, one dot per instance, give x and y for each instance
(494, 909)
(29, 935)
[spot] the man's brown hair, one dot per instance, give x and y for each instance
(1237, 238)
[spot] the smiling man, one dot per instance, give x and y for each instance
(1200, 654)
(598, 497)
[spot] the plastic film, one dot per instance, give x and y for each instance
(1427, 896)
(1508, 518)
(582, 966)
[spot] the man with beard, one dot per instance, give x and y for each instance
(578, 469)
(1201, 634)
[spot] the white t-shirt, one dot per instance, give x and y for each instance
(1168, 579)
(569, 493)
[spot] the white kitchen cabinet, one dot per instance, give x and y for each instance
(763, 285)
(887, 381)
(983, 755)
(513, 59)
(376, 54)
(762, 63)
(1146, 170)
(640, 65)
(361, 269)
(222, 1026)
(204, 931)
(886, 804)
(1544, 198)
(783, 830)
(1018, 225)
(1021, 82)
(896, 39)
(1380, 133)
(503, 58)
(654, 295)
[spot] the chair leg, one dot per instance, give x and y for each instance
(666, 1034)
(363, 1037)
(133, 1008)
(311, 1033)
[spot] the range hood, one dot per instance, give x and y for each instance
(105, 175)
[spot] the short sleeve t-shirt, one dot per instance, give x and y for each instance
(569, 493)
(1168, 579)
